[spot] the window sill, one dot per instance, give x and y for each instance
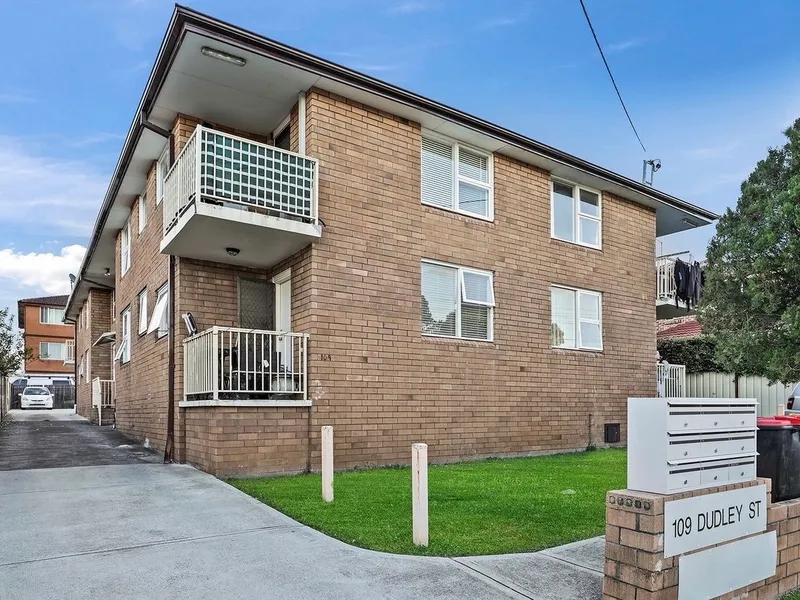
(455, 211)
(579, 244)
(456, 341)
(243, 403)
(588, 351)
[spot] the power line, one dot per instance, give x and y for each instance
(619, 95)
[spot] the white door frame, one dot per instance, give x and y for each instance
(283, 314)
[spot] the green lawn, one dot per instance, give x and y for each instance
(488, 507)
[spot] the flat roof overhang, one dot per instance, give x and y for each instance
(255, 96)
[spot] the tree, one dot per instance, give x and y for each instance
(751, 297)
(12, 351)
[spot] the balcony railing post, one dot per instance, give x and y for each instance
(215, 358)
(198, 150)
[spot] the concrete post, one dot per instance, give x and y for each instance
(781, 410)
(419, 493)
(327, 463)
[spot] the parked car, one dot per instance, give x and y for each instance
(790, 400)
(36, 397)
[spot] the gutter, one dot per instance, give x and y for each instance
(186, 19)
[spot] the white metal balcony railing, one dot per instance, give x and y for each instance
(671, 381)
(665, 278)
(104, 395)
(231, 171)
(231, 363)
(69, 352)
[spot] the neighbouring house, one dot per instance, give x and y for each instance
(49, 340)
(678, 328)
(294, 244)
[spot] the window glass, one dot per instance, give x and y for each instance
(439, 299)
(562, 328)
(563, 212)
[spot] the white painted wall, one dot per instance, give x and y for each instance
(720, 385)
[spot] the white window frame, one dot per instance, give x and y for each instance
(142, 202)
(125, 249)
(460, 293)
(46, 355)
(124, 351)
(456, 145)
(576, 207)
(47, 310)
(87, 362)
(162, 168)
(578, 319)
(160, 313)
(143, 320)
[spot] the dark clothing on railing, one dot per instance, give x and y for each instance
(688, 283)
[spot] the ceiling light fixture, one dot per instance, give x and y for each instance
(232, 251)
(107, 273)
(220, 55)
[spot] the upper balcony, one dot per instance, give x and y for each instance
(232, 200)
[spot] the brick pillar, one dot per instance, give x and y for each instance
(635, 567)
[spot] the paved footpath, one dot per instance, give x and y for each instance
(125, 526)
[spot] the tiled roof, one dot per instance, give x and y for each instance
(57, 301)
(687, 329)
(60, 301)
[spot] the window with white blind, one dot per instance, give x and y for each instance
(51, 316)
(142, 212)
(143, 311)
(457, 301)
(456, 178)
(576, 319)
(576, 214)
(52, 351)
(162, 168)
(125, 249)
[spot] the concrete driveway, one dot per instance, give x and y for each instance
(134, 528)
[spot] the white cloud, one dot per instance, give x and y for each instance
(36, 273)
(618, 47)
(15, 98)
(408, 8)
(97, 138)
(508, 20)
(33, 184)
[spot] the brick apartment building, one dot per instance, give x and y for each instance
(48, 339)
(293, 244)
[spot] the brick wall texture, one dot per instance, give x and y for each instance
(372, 375)
(94, 319)
(635, 567)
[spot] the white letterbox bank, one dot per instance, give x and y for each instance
(677, 445)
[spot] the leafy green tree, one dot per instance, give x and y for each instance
(12, 351)
(751, 298)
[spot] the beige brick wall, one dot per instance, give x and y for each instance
(386, 386)
(357, 292)
(142, 383)
(98, 307)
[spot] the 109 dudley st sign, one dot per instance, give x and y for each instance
(703, 521)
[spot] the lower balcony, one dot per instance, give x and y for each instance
(228, 199)
(229, 366)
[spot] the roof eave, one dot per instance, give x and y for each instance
(184, 18)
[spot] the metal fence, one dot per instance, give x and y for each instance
(722, 385)
(63, 394)
(671, 381)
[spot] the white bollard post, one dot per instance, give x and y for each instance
(327, 463)
(781, 410)
(419, 493)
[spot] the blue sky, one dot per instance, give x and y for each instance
(709, 85)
